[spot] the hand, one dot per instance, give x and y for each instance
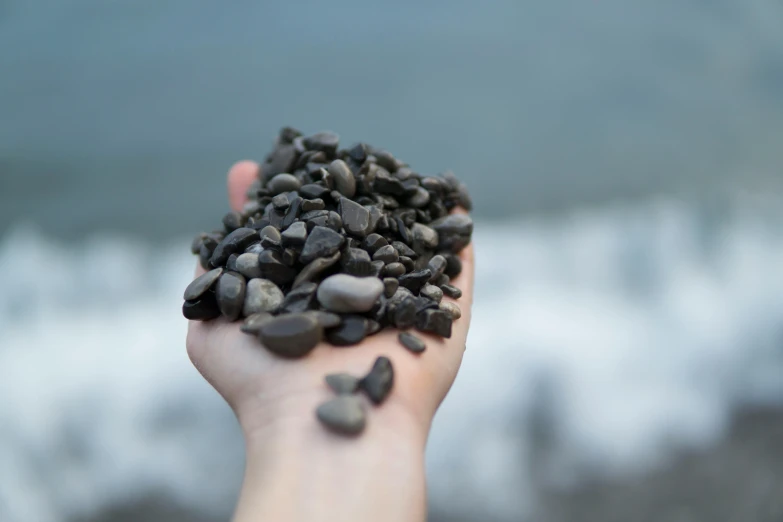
(275, 399)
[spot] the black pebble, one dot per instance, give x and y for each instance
(274, 268)
(300, 299)
(411, 342)
(202, 309)
(235, 242)
(352, 331)
(379, 382)
(415, 280)
(321, 242)
(451, 291)
(435, 321)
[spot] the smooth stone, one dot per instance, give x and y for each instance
(424, 237)
(344, 181)
(424, 303)
(394, 270)
(315, 268)
(441, 280)
(299, 300)
(384, 183)
(290, 256)
(344, 293)
(283, 183)
(356, 218)
(420, 198)
(376, 267)
(390, 286)
(373, 242)
(435, 321)
(379, 382)
(287, 135)
(251, 207)
(356, 262)
(248, 266)
(231, 264)
(230, 294)
(280, 202)
(325, 319)
(334, 221)
(195, 246)
(453, 265)
(252, 324)
(342, 383)
(452, 309)
(352, 330)
(404, 250)
(201, 284)
(404, 313)
(269, 243)
(454, 231)
(313, 204)
(202, 309)
(451, 291)
(343, 415)
(437, 265)
(270, 232)
(206, 250)
(232, 221)
(402, 230)
(385, 159)
(433, 184)
(326, 142)
(431, 292)
(321, 242)
(373, 327)
(255, 248)
(291, 335)
(295, 235)
(375, 216)
(235, 242)
(358, 153)
(387, 254)
(313, 191)
(415, 280)
(291, 215)
(261, 295)
(401, 294)
(273, 268)
(307, 216)
(281, 160)
(411, 342)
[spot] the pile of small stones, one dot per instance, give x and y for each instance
(336, 244)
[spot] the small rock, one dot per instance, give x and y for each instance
(390, 285)
(295, 235)
(321, 242)
(283, 183)
(453, 265)
(313, 191)
(326, 142)
(404, 250)
(291, 215)
(281, 160)
(325, 319)
(291, 335)
(411, 342)
(234, 243)
(452, 308)
(379, 382)
(248, 266)
(408, 263)
(300, 299)
(454, 231)
(252, 324)
(420, 198)
(435, 321)
(437, 266)
(387, 254)
(342, 383)
(451, 291)
(404, 313)
(415, 280)
(344, 293)
(351, 331)
(201, 309)
(280, 202)
(344, 415)
(313, 204)
(261, 295)
(270, 232)
(431, 292)
(373, 242)
(273, 268)
(231, 264)
(315, 268)
(393, 270)
(424, 237)
(356, 262)
(201, 284)
(230, 294)
(356, 218)
(232, 221)
(290, 256)
(344, 182)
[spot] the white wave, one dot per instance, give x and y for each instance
(601, 341)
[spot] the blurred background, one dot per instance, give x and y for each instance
(626, 357)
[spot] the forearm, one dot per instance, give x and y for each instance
(297, 471)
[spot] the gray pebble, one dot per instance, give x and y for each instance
(315, 268)
(437, 266)
(411, 342)
(343, 293)
(201, 284)
(390, 285)
(435, 321)
(424, 237)
(344, 181)
(431, 292)
(252, 324)
(393, 270)
(451, 291)
(282, 183)
(452, 308)
(291, 335)
(247, 265)
(261, 295)
(356, 218)
(202, 309)
(321, 242)
(420, 198)
(313, 204)
(234, 243)
(379, 382)
(342, 383)
(387, 254)
(352, 330)
(325, 319)
(344, 415)
(272, 233)
(230, 294)
(295, 235)
(280, 202)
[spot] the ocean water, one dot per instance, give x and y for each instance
(603, 341)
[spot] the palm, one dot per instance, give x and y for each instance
(262, 385)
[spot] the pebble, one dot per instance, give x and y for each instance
(232, 221)
(313, 191)
(300, 299)
(390, 285)
(453, 265)
(315, 268)
(373, 242)
(273, 268)
(231, 264)
(252, 324)
(435, 321)
(394, 270)
(411, 342)
(420, 198)
(281, 160)
(342, 383)
(291, 215)
(424, 237)
(356, 218)
(415, 280)
(344, 293)
(431, 292)
(235, 242)
(344, 181)
(404, 313)
(387, 254)
(270, 232)
(379, 382)
(283, 183)
(452, 308)
(201, 284)
(343, 415)
(454, 231)
(261, 295)
(202, 309)
(248, 266)
(321, 242)
(313, 204)
(351, 331)
(230, 295)
(326, 142)
(404, 250)
(326, 319)
(208, 246)
(356, 262)
(295, 235)
(437, 265)
(291, 335)
(451, 291)
(280, 202)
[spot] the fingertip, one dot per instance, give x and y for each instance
(240, 177)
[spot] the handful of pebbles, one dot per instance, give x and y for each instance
(335, 245)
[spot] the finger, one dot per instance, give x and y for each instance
(240, 177)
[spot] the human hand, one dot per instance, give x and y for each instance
(275, 400)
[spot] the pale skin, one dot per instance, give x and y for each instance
(296, 470)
